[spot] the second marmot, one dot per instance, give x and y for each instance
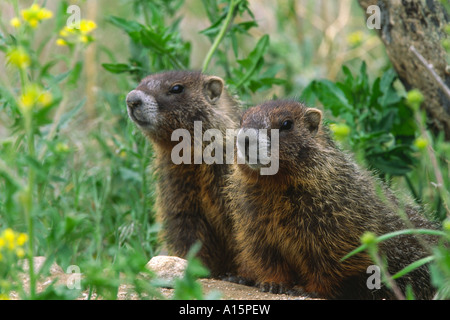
(294, 227)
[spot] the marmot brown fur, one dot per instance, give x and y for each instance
(190, 200)
(294, 227)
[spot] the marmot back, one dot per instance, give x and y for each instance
(190, 200)
(294, 227)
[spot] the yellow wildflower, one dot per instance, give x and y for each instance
(414, 99)
(4, 296)
(355, 38)
(369, 238)
(18, 57)
(44, 14)
(421, 143)
(340, 130)
(20, 253)
(45, 99)
(446, 224)
(21, 239)
(34, 95)
(13, 241)
(77, 33)
(86, 26)
(9, 236)
(66, 31)
(84, 39)
(35, 14)
(15, 22)
(61, 42)
(28, 99)
(62, 147)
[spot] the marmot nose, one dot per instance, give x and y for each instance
(133, 99)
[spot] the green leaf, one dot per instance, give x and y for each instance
(214, 29)
(118, 67)
(254, 60)
(308, 95)
(75, 73)
(66, 117)
(130, 175)
(413, 266)
(396, 234)
(125, 25)
(363, 79)
(389, 94)
(332, 97)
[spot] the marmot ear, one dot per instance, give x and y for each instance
(313, 118)
(213, 88)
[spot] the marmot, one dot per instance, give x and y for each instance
(190, 200)
(293, 227)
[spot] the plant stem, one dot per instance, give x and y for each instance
(29, 200)
(61, 108)
(434, 163)
(430, 69)
(221, 34)
(387, 277)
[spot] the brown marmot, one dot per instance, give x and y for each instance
(294, 227)
(190, 200)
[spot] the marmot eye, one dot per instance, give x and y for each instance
(286, 125)
(178, 88)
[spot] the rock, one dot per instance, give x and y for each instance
(167, 267)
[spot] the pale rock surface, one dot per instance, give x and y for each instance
(167, 267)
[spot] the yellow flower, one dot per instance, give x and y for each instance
(61, 42)
(45, 99)
(355, 38)
(9, 236)
(34, 95)
(18, 57)
(86, 26)
(446, 224)
(44, 14)
(28, 99)
(62, 147)
(414, 99)
(77, 33)
(15, 22)
(21, 239)
(20, 253)
(421, 143)
(13, 241)
(35, 14)
(84, 39)
(4, 296)
(340, 130)
(369, 238)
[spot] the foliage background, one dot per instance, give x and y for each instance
(92, 195)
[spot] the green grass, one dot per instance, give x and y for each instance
(75, 173)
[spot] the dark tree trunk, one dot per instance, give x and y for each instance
(412, 32)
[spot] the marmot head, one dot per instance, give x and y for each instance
(173, 100)
(300, 135)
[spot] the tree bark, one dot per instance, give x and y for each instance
(412, 32)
